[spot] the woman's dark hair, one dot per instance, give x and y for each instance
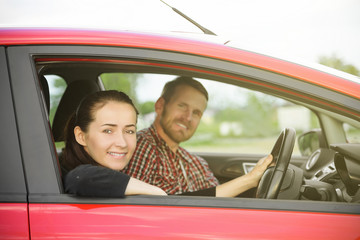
(74, 154)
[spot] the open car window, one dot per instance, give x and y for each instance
(242, 121)
(57, 86)
(237, 120)
(352, 133)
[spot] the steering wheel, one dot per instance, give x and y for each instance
(270, 183)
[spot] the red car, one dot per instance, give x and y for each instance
(46, 72)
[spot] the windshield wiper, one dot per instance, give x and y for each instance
(203, 29)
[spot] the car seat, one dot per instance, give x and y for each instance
(71, 98)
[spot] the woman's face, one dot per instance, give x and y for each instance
(111, 137)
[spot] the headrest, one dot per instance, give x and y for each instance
(73, 94)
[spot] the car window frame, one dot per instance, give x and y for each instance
(47, 186)
(13, 187)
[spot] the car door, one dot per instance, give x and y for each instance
(13, 193)
(53, 214)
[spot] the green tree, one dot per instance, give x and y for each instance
(337, 63)
(260, 117)
(146, 107)
(122, 82)
(230, 114)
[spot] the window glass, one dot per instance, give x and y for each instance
(352, 133)
(236, 120)
(57, 86)
(239, 120)
(143, 89)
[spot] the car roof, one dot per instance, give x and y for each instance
(204, 45)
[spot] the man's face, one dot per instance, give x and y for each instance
(180, 116)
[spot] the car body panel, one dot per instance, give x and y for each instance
(29, 109)
(14, 221)
(11, 169)
(13, 193)
(96, 221)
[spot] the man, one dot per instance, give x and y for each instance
(158, 158)
(160, 161)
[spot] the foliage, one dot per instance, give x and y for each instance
(337, 63)
(122, 82)
(257, 118)
(146, 107)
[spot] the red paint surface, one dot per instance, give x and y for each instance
(13, 221)
(152, 41)
(156, 222)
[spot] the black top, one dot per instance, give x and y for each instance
(96, 181)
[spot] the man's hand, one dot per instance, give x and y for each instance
(245, 182)
(260, 167)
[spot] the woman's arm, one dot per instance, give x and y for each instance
(241, 184)
(96, 181)
(136, 186)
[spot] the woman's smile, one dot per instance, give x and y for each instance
(116, 154)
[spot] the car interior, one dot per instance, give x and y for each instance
(319, 163)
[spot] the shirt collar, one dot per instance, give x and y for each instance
(158, 139)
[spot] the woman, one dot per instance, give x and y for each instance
(100, 141)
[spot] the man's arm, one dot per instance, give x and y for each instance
(241, 184)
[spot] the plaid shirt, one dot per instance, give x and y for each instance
(153, 162)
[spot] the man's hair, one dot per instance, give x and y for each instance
(170, 87)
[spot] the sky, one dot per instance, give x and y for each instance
(305, 29)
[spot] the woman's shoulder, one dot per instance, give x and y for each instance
(90, 170)
(98, 181)
(84, 167)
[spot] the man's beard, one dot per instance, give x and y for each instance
(176, 136)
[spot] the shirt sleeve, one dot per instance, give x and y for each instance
(211, 180)
(143, 163)
(96, 181)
